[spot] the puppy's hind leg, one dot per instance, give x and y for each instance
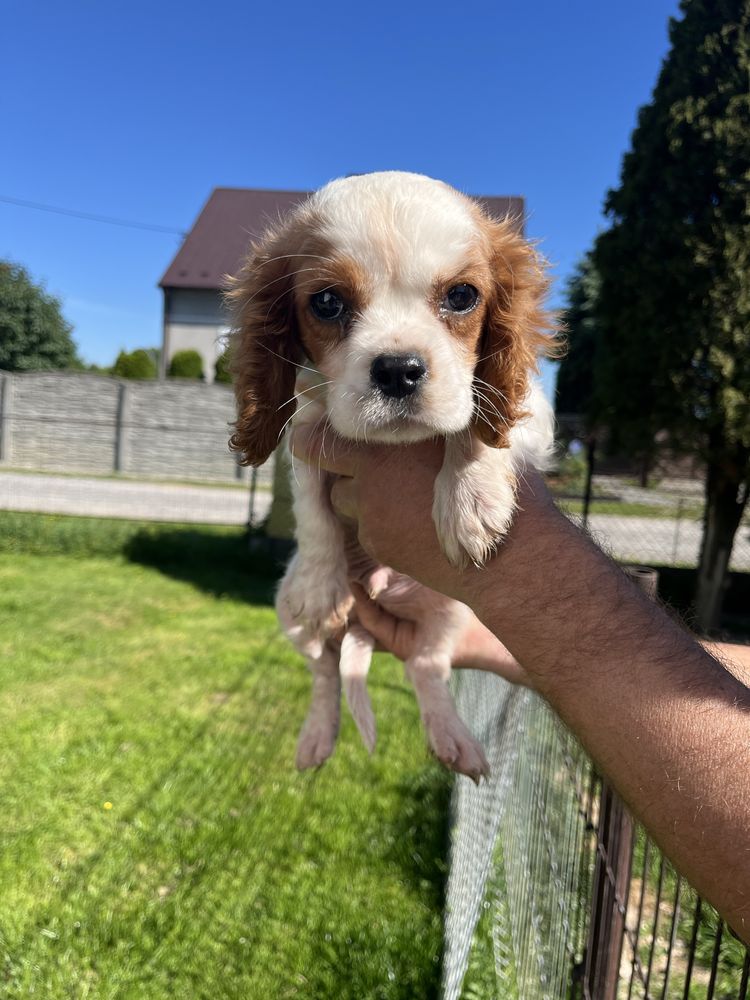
(356, 656)
(449, 739)
(318, 736)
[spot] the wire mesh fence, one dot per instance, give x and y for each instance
(554, 893)
(661, 525)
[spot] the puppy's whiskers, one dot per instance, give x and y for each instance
(289, 256)
(289, 419)
(303, 392)
(274, 281)
(491, 388)
(289, 360)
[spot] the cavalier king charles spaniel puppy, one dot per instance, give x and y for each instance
(388, 307)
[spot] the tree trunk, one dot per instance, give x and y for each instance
(726, 497)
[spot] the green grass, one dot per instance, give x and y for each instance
(124, 477)
(141, 666)
(634, 509)
(731, 956)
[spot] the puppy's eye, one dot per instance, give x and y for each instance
(460, 299)
(327, 306)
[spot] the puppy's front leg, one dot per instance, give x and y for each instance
(475, 496)
(315, 591)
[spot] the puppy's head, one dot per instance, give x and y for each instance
(424, 316)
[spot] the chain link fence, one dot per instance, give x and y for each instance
(554, 892)
(658, 526)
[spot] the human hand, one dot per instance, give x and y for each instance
(392, 620)
(387, 491)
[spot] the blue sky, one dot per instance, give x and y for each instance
(138, 110)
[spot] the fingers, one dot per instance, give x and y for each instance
(379, 623)
(322, 449)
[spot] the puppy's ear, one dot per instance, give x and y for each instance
(265, 343)
(518, 331)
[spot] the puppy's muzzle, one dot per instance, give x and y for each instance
(397, 375)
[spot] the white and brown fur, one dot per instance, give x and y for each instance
(391, 245)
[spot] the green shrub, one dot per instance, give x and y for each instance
(186, 364)
(136, 364)
(572, 472)
(222, 371)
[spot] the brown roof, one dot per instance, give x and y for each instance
(231, 217)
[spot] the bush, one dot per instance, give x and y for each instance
(572, 472)
(186, 364)
(222, 371)
(136, 364)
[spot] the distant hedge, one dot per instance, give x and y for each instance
(136, 364)
(186, 364)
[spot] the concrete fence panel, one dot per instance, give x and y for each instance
(81, 422)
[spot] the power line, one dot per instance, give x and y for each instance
(90, 217)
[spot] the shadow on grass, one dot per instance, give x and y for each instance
(219, 563)
(421, 830)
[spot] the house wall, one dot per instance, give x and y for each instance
(194, 320)
(71, 422)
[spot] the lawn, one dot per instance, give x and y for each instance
(622, 508)
(155, 839)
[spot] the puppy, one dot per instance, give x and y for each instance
(389, 307)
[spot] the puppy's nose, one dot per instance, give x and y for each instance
(397, 375)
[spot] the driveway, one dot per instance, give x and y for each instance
(140, 501)
(631, 539)
(660, 540)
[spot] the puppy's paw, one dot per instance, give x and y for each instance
(455, 747)
(472, 515)
(316, 741)
(313, 604)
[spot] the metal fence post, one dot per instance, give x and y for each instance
(253, 492)
(120, 456)
(609, 897)
(612, 870)
(6, 390)
(590, 461)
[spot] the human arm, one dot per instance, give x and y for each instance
(736, 658)
(668, 723)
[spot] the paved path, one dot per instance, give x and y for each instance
(617, 487)
(128, 499)
(633, 539)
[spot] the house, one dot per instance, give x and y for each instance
(195, 317)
